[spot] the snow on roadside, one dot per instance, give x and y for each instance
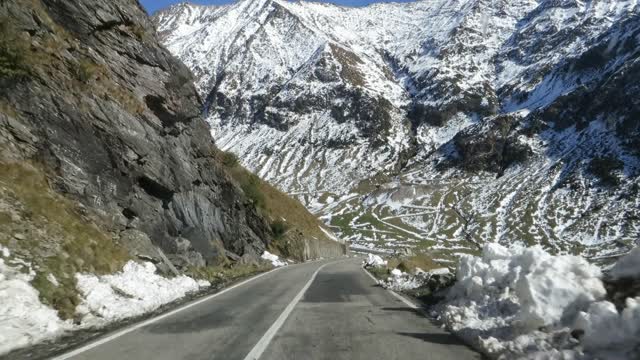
(402, 281)
(374, 261)
(525, 303)
(134, 291)
(24, 320)
(273, 259)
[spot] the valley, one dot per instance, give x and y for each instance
(434, 124)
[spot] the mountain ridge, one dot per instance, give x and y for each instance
(391, 98)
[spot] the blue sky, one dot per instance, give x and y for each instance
(153, 5)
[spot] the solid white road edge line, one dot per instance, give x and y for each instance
(398, 296)
(158, 318)
(262, 344)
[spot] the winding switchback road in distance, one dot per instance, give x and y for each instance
(321, 310)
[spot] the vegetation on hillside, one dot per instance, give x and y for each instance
(53, 234)
(287, 216)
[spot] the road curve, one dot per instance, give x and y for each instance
(320, 310)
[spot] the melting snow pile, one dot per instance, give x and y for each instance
(374, 261)
(524, 302)
(609, 334)
(24, 320)
(628, 266)
(273, 259)
(136, 290)
(402, 281)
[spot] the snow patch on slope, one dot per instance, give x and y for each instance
(24, 320)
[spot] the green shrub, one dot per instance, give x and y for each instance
(14, 53)
(87, 70)
(139, 31)
(229, 159)
(81, 246)
(381, 273)
(279, 228)
(604, 168)
(251, 188)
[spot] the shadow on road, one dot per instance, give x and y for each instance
(416, 312)
(445, 339)
(191, 324)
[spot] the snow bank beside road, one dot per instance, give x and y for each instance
(402, 281)
(523, 302)
(134, 291)
(374, 261)
(273, 259)
(24, 320)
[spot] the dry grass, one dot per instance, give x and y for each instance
(411, 263)
(275, 204)
(290, 221)
(8, 109)
(57, 240)
(349, 62)
(14, 52)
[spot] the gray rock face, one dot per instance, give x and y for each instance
(89, 93)
(139, 245)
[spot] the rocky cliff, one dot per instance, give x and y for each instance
(94, 109)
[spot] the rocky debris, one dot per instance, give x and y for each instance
(139, 245)
(436, 281)
(114, 120)
(422, 284)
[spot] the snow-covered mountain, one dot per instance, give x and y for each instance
(437, 123)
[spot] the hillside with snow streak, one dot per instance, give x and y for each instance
(435, 123)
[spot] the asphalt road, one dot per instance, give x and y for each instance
(321, 310)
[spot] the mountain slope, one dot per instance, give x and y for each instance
(435, 124)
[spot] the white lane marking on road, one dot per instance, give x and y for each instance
(398, 296)
(262, 344)
(155, 319)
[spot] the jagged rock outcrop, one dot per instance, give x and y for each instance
(88, 95)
